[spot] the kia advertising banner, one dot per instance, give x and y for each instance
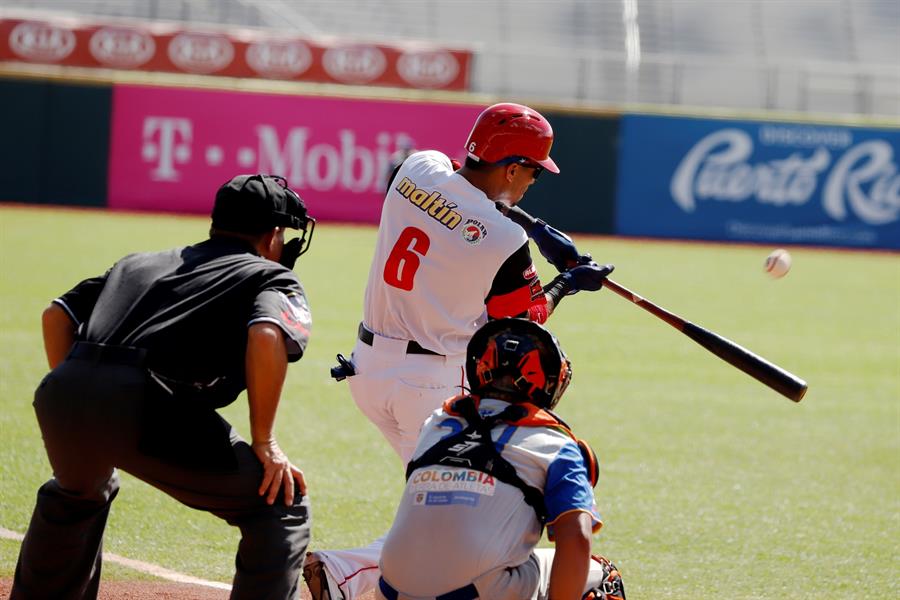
(171, 148)
(759, 182)
(251, 53)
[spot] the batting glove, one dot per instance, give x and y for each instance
(589, 277)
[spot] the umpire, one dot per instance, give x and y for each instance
(141, 357)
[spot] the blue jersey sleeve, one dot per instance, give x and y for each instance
(568, 488)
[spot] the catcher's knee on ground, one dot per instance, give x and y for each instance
(321, 585)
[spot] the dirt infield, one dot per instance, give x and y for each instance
(149, 590)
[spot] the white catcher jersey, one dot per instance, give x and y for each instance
(440, 243)
(455, 524)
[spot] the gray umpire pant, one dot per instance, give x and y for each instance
(96, 417)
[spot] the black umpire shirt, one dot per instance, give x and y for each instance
(190, 309)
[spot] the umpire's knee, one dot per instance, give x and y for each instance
(64, 503)
(278, 531)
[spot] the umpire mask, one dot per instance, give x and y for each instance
(256, 203)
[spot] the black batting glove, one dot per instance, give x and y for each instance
(290, 252)
(589, 277)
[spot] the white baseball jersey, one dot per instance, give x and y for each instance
(445, 258)
(440, 245)
(456, 525)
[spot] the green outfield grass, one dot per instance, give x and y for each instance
(712, 485)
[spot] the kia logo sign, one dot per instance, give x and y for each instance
(122, 47)
(279, 59)
(354, 64)
(200, 53)
(41, 41)
(429, 69)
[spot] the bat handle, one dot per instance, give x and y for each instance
(661, 313)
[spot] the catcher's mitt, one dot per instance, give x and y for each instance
(611, 588)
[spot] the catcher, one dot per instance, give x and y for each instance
(490, 471)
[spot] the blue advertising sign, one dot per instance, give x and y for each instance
(757, 181)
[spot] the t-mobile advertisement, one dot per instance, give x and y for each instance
(759, 182)
(172, 148)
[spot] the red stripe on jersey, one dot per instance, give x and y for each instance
(520, 302)
(512, 304)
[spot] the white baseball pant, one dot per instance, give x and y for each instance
(528, 581)
(397, 391)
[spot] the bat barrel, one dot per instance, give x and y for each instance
(785, 383)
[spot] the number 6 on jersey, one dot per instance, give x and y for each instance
(403, 261)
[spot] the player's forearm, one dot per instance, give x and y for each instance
(569, 575)
(59, 334)
(266, 367)
(571, 560)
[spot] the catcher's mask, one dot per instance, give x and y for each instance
(256, 203)
(506, 131)
(519, 361)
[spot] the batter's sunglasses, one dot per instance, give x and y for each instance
(521, 160)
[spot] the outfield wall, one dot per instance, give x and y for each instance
(167, 148)
(55, 147)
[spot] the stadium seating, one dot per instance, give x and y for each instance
(818, 56)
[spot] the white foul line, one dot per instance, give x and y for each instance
(138, 565)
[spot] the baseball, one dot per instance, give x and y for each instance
(778, 263)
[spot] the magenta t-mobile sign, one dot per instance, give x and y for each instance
(171, 148)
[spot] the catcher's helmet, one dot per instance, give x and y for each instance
(519, 361)
(511, 130)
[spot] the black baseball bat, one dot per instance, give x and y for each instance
(783, 382)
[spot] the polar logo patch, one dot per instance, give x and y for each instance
(473, 231)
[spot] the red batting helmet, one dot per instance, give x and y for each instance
(505, 130)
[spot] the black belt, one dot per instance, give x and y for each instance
(412, 347)
(467, 592)
(122, 355)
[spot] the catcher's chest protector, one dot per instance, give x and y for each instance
(473, 448)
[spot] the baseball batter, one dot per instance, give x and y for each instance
(490, 470)
(446, 260)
